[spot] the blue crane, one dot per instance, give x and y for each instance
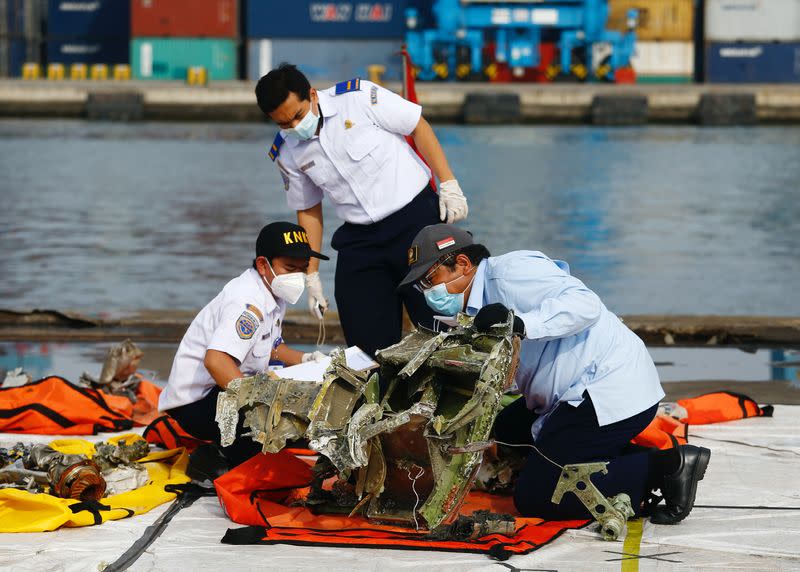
(453, 49)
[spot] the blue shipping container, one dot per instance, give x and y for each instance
(13, 54)
(329, 61)
(88, 51)
(20, 18)
(331, 19)
(12, 13)
(89, 18)
(753, 63)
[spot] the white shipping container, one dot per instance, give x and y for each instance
(653, 59)
(752, 20)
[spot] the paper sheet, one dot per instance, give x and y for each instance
(314, 371)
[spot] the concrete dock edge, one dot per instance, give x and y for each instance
(472, 103)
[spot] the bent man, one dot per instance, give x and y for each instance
(587, 382)
(348, 143)
(238, 334)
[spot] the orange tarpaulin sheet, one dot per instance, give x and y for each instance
(258, 491)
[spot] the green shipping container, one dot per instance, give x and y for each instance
(169, 58)
(664, 79)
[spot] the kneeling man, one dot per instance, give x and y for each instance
(238, 334)
(587, 382)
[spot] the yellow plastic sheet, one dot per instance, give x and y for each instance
(21, 511)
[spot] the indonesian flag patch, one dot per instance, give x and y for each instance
(445, 242)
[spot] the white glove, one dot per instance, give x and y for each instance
(316, 299)
(313, 356)
(452, 202)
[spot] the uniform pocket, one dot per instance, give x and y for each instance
(263, 348)
(366, 146)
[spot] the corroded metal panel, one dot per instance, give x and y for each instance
(406, 440)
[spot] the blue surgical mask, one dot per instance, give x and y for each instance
(440, 300)
(307, 127)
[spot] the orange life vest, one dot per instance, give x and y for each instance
(664, 432)
(722, 406)
(145, 410)
(165, 432)
(54, 406)
(259, 493)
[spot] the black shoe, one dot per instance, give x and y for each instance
(680, 487)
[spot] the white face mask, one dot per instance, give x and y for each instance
(307, 127)
(288, 287)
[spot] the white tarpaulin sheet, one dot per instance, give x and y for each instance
(754, 463)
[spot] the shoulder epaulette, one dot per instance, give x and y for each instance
(348, 86)
(276, 147)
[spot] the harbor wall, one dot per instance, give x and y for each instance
(705, 104)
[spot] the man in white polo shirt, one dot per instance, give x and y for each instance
(238, 334)
(348, 143)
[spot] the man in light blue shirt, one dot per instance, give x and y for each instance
(588, 383)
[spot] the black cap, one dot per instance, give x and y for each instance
(285, 239)
(431, 244)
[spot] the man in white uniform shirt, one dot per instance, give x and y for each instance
(238, 334)
(348, 143)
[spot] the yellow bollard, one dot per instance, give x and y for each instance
(196, 75)
(77, 71)
(99, 72)
(440, 70)
(463, 70)
(375, 73)
(31, 70)
(552, 71)
(55, 72)
(122, 72)
(580, 71)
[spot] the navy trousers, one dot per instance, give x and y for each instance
(372, 261)
(572, 435)
(197, 419)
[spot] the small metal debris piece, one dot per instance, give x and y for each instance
(118, 373)
(611, 513)
(109, 456)
(70, 476)
(275, 410)
(15, 378)
(475, 526)
(121, 362)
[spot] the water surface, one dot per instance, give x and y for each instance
(108, 218)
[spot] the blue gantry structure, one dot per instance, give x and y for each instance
(455, 45)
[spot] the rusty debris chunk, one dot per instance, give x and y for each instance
(478, 524)
(407, 438)
(39, 468)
